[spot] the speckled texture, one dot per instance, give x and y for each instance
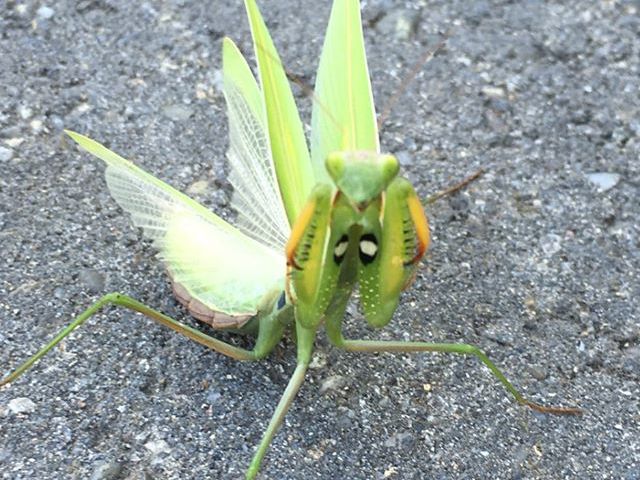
(533, 263)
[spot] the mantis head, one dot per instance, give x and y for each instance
(361, 175)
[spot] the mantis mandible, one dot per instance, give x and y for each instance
(312, 226)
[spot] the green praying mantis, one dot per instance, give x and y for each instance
(312, 226)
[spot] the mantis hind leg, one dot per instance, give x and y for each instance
(459, 348)
(271, 328)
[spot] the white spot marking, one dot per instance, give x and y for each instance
(368, 247)
(340, 249)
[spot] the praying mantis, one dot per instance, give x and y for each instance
(313, 226)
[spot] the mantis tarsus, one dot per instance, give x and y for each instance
(312, 227)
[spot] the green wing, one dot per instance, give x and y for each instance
(343, 117)
(256, 195)
(217, 264)
(286, 135)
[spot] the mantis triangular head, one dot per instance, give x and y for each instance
(361, 175)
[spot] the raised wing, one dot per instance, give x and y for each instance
(217, 264)
(286, 135)
(343, 116)
(256, 195)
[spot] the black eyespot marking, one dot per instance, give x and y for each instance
(368, 248)
(340, 249)
(282, 301)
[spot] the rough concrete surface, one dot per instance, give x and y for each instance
(537, 262)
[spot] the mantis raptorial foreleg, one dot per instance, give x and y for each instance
(271, 330)
(309, 230)
(314, 252)
(389, 251)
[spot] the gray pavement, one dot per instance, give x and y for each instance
(536, 263)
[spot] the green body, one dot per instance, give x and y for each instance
(313, 226)
(344, 245)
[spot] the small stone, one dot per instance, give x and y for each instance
(92, 279)
(483, 310)
(400, 23)
(80, 109)
(631, 361)
(392, 471)
(21, 405)
(177, 112)
(5, 154)
(24, 112)
(494, 92)
(60, 293)
(36, 125)
(551, 244)
(538, 373)
(65, 434)
(56, 122)
(213, 396)
(604, 180)
(45, 13)
(334, 382)
(319, 360)
(198, 188)
(201, 92)
(14, 142)
(315, 453)
(157, 447)
(106, 471)
(403, 440)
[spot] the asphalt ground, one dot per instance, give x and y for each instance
(536, 262)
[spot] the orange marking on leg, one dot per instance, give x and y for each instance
(297, 233)
(421, 225)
